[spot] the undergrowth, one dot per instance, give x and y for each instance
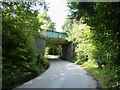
(107, 77)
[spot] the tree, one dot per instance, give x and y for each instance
(45, 22)
(103, 19)
(19, 52)
(67, 25)
(103, 44)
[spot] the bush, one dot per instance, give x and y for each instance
(19, 51)
(45, 63)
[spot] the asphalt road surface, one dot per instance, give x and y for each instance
(62, 74)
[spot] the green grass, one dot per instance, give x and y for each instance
(107, 78)
(100, 75)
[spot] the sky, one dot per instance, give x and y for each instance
(58, 12)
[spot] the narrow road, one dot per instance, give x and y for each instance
(62, 74)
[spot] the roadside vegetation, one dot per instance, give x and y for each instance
(95, 30)
(53, 50)
(21, 60)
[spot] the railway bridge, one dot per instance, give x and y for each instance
(53, 37)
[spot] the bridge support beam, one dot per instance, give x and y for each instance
(67, 51)
(41, 45)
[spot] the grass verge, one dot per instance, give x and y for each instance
(107, 78)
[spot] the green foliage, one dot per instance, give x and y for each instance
(108, 78)
(99, 39)
(84, 46)
(67, 26)
(19, 51)
(53, 50)
(45, 63)
(45, 22)
(47, 50)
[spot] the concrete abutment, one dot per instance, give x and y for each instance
(67, 51)
(41, 45)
